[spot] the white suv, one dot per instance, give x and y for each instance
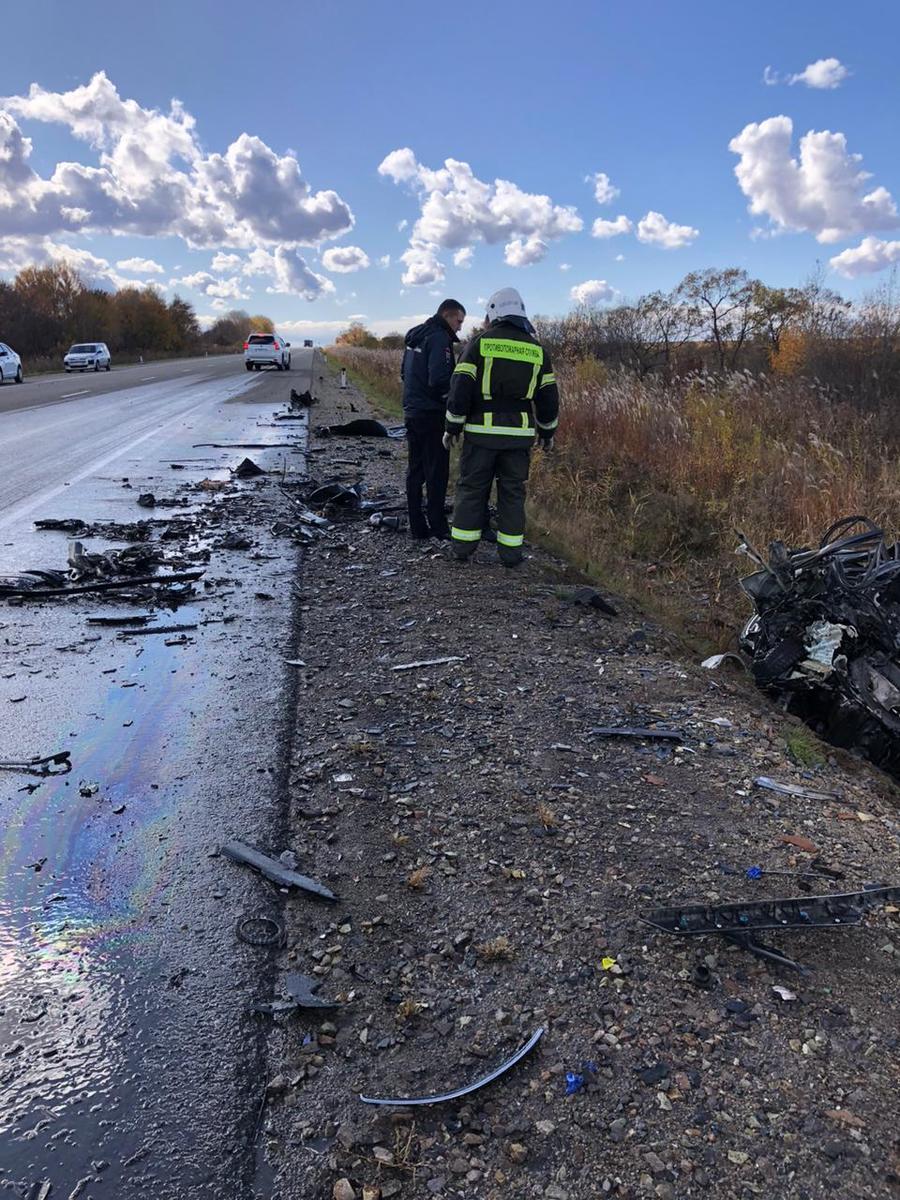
(88, 356)
(10, 364)
(267, 350)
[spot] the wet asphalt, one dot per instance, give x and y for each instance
(128, 1057)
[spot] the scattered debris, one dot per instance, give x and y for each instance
(147, 500)
(64, 525)
(737, 922)
(129, 633)
(137, 619)
(630, 731)
(467, 1089)
(301, 399)
(588, 597)
(716, 660)
(380, 521)
(361, 427)
(133, 560)
(784, 992)
(100, 586)
(246, 469)
(52, 764)
(299, 990)
(274, 870)
(88, 788)
(235, 541)
(792, 789)
(428, 662)
(261, 931)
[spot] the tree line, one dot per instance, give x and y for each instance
(724, 320)
(46, 309)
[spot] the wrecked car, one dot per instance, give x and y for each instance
(825, 637)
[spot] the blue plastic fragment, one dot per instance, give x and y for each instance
(574, 1083)
(754, 872)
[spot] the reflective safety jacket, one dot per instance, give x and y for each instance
(503, 391)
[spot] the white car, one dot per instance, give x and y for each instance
(267, 350)
(88, 356)
(10, 364)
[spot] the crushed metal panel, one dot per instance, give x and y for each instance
(274, 870)
(467, 1089)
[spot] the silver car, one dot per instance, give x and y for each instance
(10, 364)
(88, 356)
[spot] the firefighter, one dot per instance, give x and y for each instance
(502, 396)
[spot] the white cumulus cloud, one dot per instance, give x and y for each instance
(288, 273)
(592, 292)
(463, 258)
(522, 252)
(655, 230)
(143, 266)
(226, 262)
(825, 73)
(151, 177)
(344, 259)
(823, 192)
(872, 254)
(458, 210)
(210, 285)
(607, 229)
(604, 189)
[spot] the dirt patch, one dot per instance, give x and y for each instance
(493, 859)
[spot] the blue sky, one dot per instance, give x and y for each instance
(543, 97)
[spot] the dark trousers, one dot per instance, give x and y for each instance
(479, 466)
(429, 467)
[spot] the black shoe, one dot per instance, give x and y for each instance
(489, 535)
(420, 537)
(513, 562)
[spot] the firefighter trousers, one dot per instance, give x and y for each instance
(479, 466)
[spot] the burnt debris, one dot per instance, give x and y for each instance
(825, 638)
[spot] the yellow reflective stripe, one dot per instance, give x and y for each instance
(516, 351)
(455, 419)
(466, 535)
(545, 379)
(510, 539)
(548, 424)
(505, 430)
(534, 378)
(465, 369)
(486, 378)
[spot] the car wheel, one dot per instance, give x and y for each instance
(279, 366)
(19, 374)
(249, 366)
(109, 366)
(288, 367)
(96, 367)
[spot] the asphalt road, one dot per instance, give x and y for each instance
(57, 389)
(127, 1054)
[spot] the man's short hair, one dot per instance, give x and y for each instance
(447, 306)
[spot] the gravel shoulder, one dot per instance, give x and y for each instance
(492, 862)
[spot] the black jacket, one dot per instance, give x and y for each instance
(504, 391)
(427, 367)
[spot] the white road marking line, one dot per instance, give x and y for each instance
(69, 395)
(144, 378)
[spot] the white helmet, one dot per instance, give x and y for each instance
(505, 303)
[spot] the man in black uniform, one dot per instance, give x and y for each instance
(502, 396)
(426, 372)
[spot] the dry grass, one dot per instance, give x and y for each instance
(498, 949)
(546, 816)
(417, 879)
(648, 481)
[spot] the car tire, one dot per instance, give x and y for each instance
(288, 367)
(96, 367)
(19, 375)
(109, 366)
(249, 366)
(279, 366)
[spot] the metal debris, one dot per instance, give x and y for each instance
(52, 764)
(299, 990)
(588, 597)
(274, 870)
(738, 922)
(792, 789)
(716, 660)
(467, 1089)
(633, 731)
(107, 585)
(246, 469)
(261, 931)
(428, 662)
